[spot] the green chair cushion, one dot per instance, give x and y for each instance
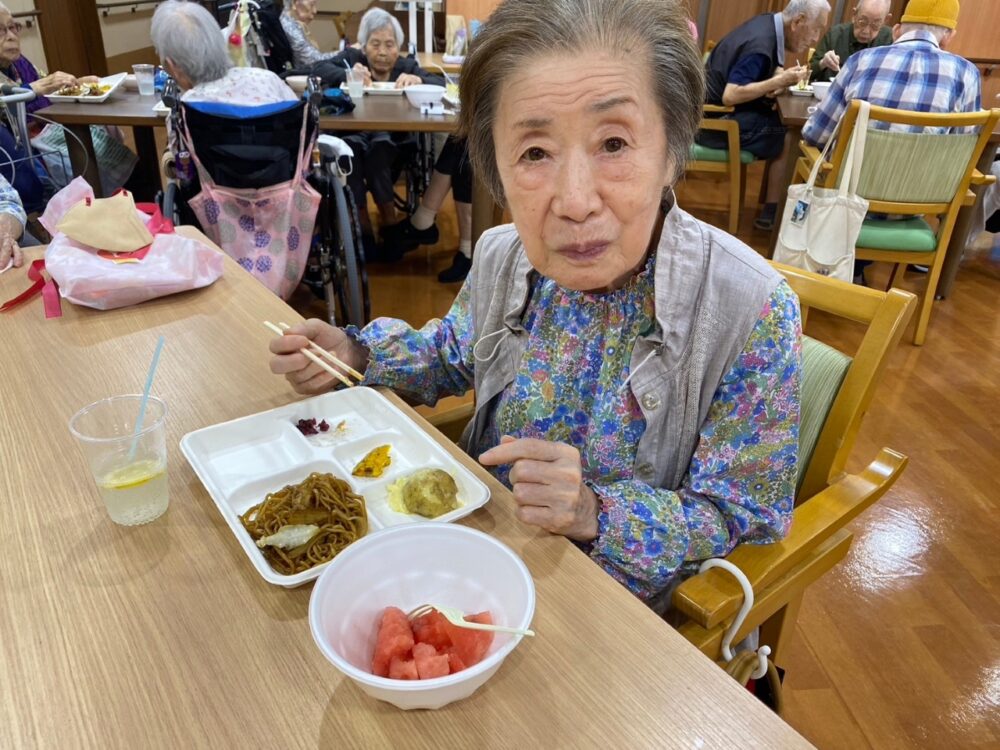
(913, 234)
(704, 153)
(823, 370)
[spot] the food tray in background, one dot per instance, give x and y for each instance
(378, 88)
(114, 82)
(241, 461)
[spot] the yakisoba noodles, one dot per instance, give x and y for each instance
(306, 524)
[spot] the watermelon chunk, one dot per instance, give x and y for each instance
(455, 664)
(433, 630)
(393, 642)
(471, 645)
(429, 662)
(403, 669)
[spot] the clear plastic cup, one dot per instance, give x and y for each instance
(355, 84)
(144, 78)
(132, 483)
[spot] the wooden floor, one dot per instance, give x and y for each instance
(899, 647)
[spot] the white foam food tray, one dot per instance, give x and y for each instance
(241, 461)
(114, 82)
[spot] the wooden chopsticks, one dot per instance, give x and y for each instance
(323, 353)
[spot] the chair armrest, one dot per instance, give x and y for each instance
(711, 597)
(716, 109)
(978, 178)
(812, 154)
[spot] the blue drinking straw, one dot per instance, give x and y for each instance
(145, 397)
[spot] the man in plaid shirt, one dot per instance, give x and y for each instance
(913, 73)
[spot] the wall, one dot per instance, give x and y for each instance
(31, 39)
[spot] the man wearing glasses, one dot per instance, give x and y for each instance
(867, 29)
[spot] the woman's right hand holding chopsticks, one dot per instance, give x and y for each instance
(304, 374)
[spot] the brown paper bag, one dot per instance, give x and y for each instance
(106, 224)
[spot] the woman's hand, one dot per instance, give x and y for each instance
(407, 79)
(547, 481)
(10, 231)
(304, 375)
(359, 68)
(10, 249)
(53, 82)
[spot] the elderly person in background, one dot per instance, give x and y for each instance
(295, 19)
(378, 155)
(12, 221)
(866, 29)
(636, 371)
(193, 52)
(914, 72)
(17, 69)
(752, 64)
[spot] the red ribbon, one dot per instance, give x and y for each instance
(48, 288)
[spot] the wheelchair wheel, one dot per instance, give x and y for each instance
(349, 277)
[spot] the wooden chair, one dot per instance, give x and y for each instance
(918, 175)
(730, 162)
(836, 392)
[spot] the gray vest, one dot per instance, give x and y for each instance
(710, 290)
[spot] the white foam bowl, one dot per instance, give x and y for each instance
(406, 566)
(820, 88)
(297, 84)
(424, 93)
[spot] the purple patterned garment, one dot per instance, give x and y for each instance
(741, 481)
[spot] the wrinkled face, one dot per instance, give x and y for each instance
(867, 22)
(10, 46)
(305, 10)
(582, 156)
(804, 33)
(382, 51)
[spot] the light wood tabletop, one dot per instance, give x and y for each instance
(164, 635)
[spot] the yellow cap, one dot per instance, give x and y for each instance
(935, 12)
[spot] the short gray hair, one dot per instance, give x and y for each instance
(653, 32)
(811, 9)
(939, 32)
(377, 19)
(187, 34)
(5, 9)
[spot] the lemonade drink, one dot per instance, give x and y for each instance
(129, 467)
(136, 493)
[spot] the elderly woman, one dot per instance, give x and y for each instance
(636, 371)
(295, 19)
(378, 155)
(193, 52)
(15, 68)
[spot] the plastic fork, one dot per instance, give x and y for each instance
(456, 617)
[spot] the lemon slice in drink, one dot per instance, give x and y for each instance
(133, 475)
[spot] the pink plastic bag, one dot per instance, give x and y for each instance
(88, 277)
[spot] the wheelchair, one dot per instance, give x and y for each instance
(240, 151)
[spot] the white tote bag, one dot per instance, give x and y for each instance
(820, 226)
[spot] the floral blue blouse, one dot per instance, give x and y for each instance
(571, 388)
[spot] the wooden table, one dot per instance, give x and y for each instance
(794, 113)
(128, 109)
(164, 635)
(122, 109)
